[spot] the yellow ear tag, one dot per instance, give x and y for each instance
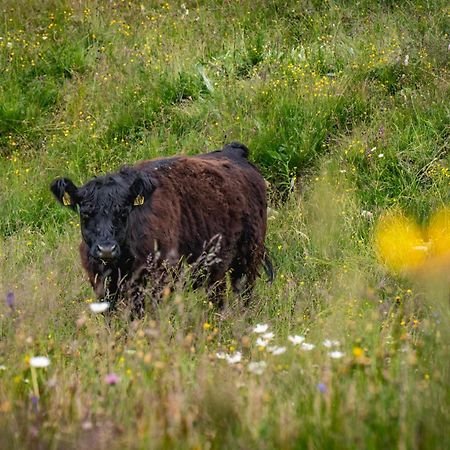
(139, 200)
(67, 201)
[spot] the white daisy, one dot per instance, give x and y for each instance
(296, 339)
(261, 328)
(336, 354)
(257, 367)
(99, 307)
(306, 346)
(260, 342)
(329, 343)
(276, 350)
(39, 361)
(268, 336)
(235, 358)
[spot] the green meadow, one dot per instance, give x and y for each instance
(345, 108)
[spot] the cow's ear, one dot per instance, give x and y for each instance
(65, 192)
(141, 189)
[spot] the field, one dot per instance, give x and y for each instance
(344, 106)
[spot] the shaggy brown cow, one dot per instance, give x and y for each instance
(209, 208)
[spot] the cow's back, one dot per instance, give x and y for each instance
(198, 198)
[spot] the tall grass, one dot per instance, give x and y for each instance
(344, 107)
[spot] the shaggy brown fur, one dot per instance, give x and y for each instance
(216, 199)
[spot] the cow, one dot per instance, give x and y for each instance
(148, 217)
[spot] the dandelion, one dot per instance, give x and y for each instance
(357, 352)
(112, 379)
(99, 307)
(276, 350)
(233, 359)
(39, 361)
(296, 339)
(260, 328)
(306, 346)
(329, 343)
(257, 367)
(336, 354)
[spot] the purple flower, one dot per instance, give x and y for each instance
(10, 299)
(112, 379)
(322, 387)
(35, 403)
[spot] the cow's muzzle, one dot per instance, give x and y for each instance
(107, 251)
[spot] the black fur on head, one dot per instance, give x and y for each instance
(106, 204)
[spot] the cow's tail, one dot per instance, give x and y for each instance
(268, 266)
(236, 149)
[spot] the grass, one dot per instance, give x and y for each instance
(344, 107)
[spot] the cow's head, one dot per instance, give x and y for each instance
(105, 205)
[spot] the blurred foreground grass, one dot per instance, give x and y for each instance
(344, 107)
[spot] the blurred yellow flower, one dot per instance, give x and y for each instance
(439, 232)
(403, 246)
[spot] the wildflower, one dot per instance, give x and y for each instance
(357, 351)
(399, 242)
(35, 403)
(112, 379)
(381, 155)
(261, 328)
(306, 346)
(322, 387)
(328, 343)
(368, 215)
(336, 354)
(235, 358)
(39, 361)
(221, 355)
(268, 336)
(296, 339)
(99, 307)
(257, 367)
(10, 299)
(2, 367)
(439, 232)
(276, 350)
(260, 342)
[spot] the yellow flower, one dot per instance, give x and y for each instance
(403, 246)
(399, 243)
(439, 232)
(357, 352)
(206, 326)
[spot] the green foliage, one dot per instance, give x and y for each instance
(344, 108)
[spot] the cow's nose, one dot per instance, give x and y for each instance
(107, 250)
